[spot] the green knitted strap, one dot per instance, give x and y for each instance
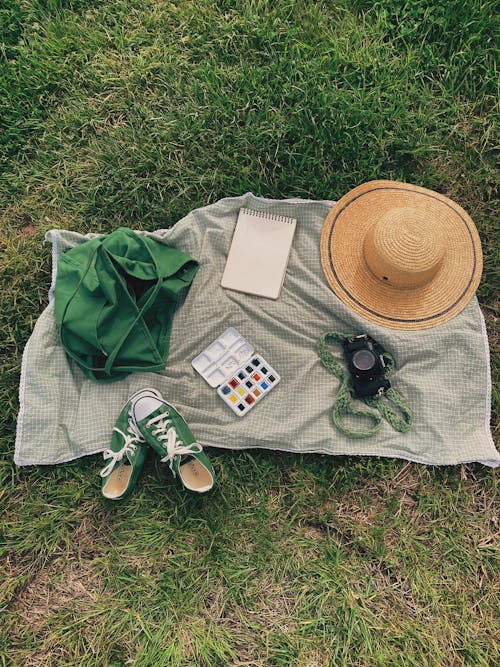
(343, 401)
(401, 423)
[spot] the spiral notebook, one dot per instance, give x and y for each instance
(258, 256)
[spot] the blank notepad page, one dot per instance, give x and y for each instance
(259, 253)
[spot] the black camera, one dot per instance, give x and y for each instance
(365, 359)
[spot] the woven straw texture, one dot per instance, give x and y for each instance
(400, 255)
(442, 373)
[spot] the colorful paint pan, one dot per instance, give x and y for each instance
(247, 394)
(242, 377)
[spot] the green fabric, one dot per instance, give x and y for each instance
(342, 405)
(115, 297)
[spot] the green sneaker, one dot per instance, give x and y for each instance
(127, 452)
(168, 434)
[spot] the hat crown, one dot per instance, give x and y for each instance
(405, 247)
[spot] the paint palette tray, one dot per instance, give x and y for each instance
(242, 378)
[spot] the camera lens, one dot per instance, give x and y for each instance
(363, 360)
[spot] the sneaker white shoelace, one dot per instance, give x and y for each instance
(167, 434)
(130, 441)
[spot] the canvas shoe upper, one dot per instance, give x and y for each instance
(127, 452)
(168, 434)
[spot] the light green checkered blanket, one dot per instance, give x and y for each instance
(442, 372)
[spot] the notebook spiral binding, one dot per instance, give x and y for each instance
(269, 216)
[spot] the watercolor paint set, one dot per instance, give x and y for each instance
(242, 377)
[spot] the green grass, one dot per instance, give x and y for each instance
(136, 112)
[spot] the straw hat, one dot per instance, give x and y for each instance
(400, 255)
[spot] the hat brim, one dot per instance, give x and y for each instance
(410, 308)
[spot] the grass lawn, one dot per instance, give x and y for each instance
(135, 112)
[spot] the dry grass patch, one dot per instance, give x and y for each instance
(65, 589)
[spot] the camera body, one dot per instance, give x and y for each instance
(366, 365)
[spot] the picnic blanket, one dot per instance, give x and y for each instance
(443, 372)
